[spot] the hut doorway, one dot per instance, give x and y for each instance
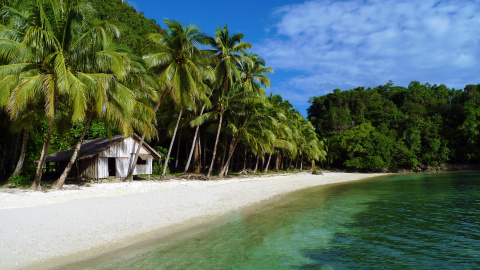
(111, 167)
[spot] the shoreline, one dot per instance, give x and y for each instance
(42, 230)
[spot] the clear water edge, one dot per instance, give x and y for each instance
(419, 221)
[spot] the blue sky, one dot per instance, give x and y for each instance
(317, 46)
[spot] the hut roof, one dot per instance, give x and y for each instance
(90, 148)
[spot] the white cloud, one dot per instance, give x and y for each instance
(345, 44)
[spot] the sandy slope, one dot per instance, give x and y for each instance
(39, 230)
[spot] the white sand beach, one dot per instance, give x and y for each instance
(43, 229)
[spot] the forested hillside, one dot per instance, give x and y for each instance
(133, 25)
(391, 127)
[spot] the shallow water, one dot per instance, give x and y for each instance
(418, 221)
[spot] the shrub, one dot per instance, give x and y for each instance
(19, 181)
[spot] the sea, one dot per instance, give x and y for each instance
(407, 221)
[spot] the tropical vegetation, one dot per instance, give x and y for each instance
(415, 128)
(70, 71)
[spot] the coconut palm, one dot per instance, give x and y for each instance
(313, 147)
(145, 90)
(193, 148)
(248, 120)
(54, 56)
(228, 56)
(181, 66)
(118, 105)
(283, 132)
(27, 121)
(253, 73)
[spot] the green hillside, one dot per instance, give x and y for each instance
(132, 24)
(392, 127)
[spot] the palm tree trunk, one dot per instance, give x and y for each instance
(199, 154)
(224, 153)
(301, 162)
(140, 144)
(194, 139)
(171, 144)
(19, 167)
(191, 150)
(256, 165)
(245, 160)
(15, 150)
(268, 162)
(277, 161)
(43, 155)
(178, 148)
(197, 157)
(215, 147)
(59, 183)
(135, 159)
(263, 160)
(233, 144)
(290, 165)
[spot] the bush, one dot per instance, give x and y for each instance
(19, 181)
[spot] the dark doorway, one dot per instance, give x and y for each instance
(111, 167)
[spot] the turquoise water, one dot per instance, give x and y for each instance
(420, 221)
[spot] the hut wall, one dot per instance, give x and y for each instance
(102, 167)
(122, 166)
(87, 168)
(143, 168)
(123, 152)
(123, 149)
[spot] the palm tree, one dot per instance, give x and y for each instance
(283, 132)
(181, 66)
(249, 120)
(52, 57)
(195, 136)
(111, 100)
(145, 90)
(313, 147)
(227, 56)
(253, 73)
(27, 121)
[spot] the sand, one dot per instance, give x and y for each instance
(39, 230)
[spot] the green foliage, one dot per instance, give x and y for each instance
(391, 127)
(103, 63)
(19, 181)
(133, 26)
(157, 167)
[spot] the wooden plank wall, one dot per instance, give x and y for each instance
(122, 166)
(102, 167)
(143, 168)
(123, 149)
(87, 168)
(123, 152)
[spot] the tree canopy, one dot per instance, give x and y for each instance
(76, 69)
(391, 127)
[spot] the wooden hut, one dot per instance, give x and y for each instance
(106, 157)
